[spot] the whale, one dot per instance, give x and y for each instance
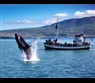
(23, 46)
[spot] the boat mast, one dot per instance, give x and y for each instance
(57, 29)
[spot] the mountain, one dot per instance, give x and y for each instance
(66, 28)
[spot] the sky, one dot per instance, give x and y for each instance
(17, 16)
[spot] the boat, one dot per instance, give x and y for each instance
(79, 43)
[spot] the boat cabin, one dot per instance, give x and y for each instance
(79, 39)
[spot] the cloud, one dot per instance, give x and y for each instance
(50, 21)
(61, 14)
(21, 22)
(87, 13)
(54, 19)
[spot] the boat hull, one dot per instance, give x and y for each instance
(47, 46)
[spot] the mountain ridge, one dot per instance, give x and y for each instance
(67, 27)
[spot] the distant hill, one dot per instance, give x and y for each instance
(66, 28)
(77, 22)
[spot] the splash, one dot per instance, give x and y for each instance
(34, 56)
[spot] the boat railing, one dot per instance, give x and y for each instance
(55, 43)
(86, 43)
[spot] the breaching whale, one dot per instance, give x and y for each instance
(23, 46)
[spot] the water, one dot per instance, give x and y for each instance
(51, 63)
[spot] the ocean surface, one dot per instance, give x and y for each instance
(48, 63)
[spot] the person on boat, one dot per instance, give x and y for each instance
(65, 43)
(55, 41)
(48, 41)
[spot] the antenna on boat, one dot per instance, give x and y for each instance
(82, 30)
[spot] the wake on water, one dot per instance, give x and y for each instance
(34, 56)
(92, 47)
